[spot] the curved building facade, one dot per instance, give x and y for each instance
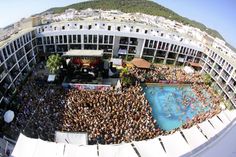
(18, 54)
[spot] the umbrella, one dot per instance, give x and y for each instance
(188, 70)
(9, 116)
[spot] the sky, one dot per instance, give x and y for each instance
(216, 14)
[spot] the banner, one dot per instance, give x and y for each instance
(97, 87)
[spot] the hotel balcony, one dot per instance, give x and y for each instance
(232, 83)
(210, 62)
(217, 68)
(225, 77)
(221, 82)
(124, 40)
(214, 74)
(233, 99)
(133, 41)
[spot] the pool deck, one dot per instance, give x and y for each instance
(166, 84)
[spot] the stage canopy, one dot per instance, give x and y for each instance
(141, 63)
(83, 53)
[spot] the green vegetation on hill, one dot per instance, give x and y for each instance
(142, 6)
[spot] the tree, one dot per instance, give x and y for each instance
(207, 79)
(53, 63)
(126, 78)
(124, 72)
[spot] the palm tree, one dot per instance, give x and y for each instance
(53, 63)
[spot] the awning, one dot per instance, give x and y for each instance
(80, 151)
(218, 125)
(141, 63)
(223, 117)
(117, 150)
(207, 129)
(175, 144)
(29, 147)
(72, 138)
(194, 137)
(83, 53)
(150, 148)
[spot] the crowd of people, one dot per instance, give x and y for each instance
(107, 116)
(161, 73)
(110, 117)
(208, 98)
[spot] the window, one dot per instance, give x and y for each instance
(146, 43)
(79, 38)
(70, 38)
(110, 39)
(44, 40)
(65, 39)
(74, 38)
(137, 30)
(48, 40)
(109, 28)
(118, 28)
(56, 39)
(11, 47)
(178, 48)
(100, 39)
(4, 53)
(146, 31)
(85, 39)
(171, 47)
(159, 45)
(151, 43)
(52, 40)
(8, 50)
(155, 44)
(63, 27)
(90, 39)
(95, 39)
(106, 39)
(167, 46)
(81, 27)
(163, 45)
(15, 45)
(89, 27)
(60, 39)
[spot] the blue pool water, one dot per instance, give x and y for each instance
(167, 105)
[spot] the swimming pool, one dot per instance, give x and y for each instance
(167, 102)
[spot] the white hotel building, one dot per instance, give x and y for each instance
(19, 52)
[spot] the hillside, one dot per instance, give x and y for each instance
(142, 6)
